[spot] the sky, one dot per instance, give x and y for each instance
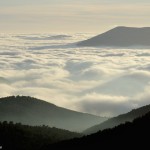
(71, 16)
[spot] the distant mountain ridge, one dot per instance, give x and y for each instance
(32, 111)
(122, 37)
(125, 136)
(115, 121)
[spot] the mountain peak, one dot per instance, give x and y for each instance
(121, 27)
(122, 37)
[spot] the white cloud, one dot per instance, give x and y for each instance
(93, 80)
(106, 105)
(6, 90)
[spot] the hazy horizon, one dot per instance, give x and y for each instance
(68, 16)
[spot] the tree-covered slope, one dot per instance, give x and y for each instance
(24, 137)
(32, 111)
(115, 121)
(125, 136)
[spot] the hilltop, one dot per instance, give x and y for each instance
(32, 111)
(122, 37)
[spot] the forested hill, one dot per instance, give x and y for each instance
(24, 137)
(32, 111)
(112, 122)
(125, 136)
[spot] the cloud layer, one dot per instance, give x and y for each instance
(105, 82)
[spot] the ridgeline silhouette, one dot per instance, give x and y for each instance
(115, 121)
(125, 136)
(121, 37)
(32, 111)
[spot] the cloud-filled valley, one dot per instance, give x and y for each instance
(94, 80)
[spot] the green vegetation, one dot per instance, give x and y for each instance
(15, 136)
(24, 137)
(115, 121)
(125, 136)
(32, 111)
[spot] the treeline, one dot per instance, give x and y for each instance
(115, 121)
(125, 136)
(24, 137)
(32, 111)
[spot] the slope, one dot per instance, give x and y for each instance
(125, 136)
(24, 137)
(120, 37)
(31, 111)
(112, 122)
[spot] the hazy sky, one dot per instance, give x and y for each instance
(71, 15)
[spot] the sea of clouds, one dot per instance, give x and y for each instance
(105, 82)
